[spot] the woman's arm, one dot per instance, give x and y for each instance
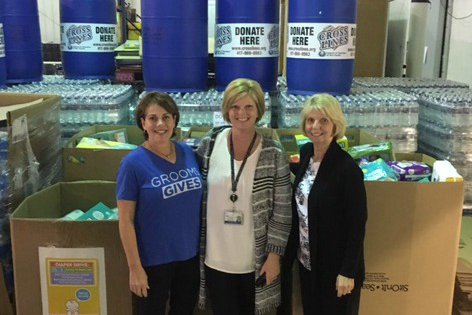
(356, 217)
(138, 282)
(281, 220)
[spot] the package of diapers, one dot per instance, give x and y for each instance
(410, 170)
(97, 212)
(372, 152)
(378, 170)
(73, 215)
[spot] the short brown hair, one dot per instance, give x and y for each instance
(329, 106)
(239, 88)
(160, 99)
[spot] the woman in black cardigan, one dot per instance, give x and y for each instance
(329, 214)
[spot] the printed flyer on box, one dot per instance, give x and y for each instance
(73, 281)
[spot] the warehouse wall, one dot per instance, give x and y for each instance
(398, 33)
(49, 21)
(399, 13)
(460, 46)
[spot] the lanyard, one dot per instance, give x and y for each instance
(234, 182)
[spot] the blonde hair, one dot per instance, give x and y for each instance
(329, 106)
(239, 88)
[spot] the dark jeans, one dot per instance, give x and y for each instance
(325, 302)
(179, 279)
(231, 294)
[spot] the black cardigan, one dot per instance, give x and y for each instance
(337, 214)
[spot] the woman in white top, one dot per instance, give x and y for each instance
(246, 208)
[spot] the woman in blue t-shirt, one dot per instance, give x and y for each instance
(159, 190)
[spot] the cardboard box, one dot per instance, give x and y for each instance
(5, 305)
(354, 136)
(87, 164)
(34, 224)
(33, 121)
(411, 246)
(288, 141)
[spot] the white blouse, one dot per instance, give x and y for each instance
(301, 198)
(230, 247)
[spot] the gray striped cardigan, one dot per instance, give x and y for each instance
(271, 205)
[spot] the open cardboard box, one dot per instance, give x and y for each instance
(289, 143)
(411, 245)
(34, 224)
(100, 164)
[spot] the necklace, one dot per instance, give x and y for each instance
(162, 154)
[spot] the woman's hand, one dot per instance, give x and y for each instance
(344, 285)
(271, 267)
(138, 281)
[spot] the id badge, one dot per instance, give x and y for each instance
(234, 217)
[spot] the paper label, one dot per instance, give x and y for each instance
(321, 41)
(84, 37)
(2, 42)
(73, 281)
(247, 40)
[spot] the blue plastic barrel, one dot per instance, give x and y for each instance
(3, 65)
(175, 45)
(88, 38)
(247, 42)
(23, 48)
(321, 46)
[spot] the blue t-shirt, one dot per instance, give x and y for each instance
(168, 198)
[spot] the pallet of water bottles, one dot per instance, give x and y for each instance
(406, 84)
(204, 108)
(389, 114)
(84, 102)
(445, 128)
(4, 172)
(450, 107)
(5, 244)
